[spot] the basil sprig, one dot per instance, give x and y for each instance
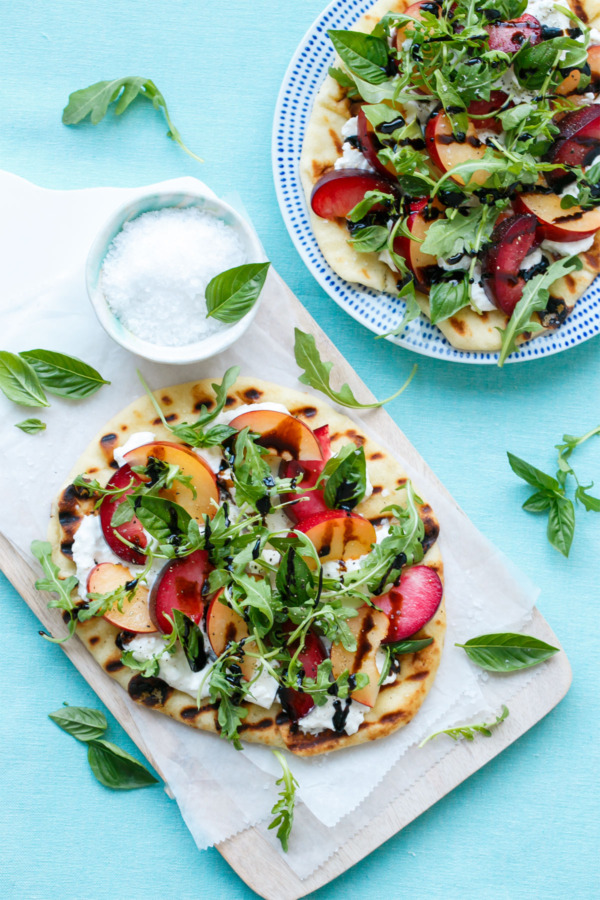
(551, 491)
(93, 101)
(230, 295)
(112, 766)
(507, 652)
(468, 732)
(317, 374)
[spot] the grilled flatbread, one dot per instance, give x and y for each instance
(397, 703)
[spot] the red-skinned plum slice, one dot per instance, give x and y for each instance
(338, 535)
(132, 531)
(133, 615)
(411, 604)
(556, 223)
(511, 241)
(577, 144)
(312, 502)
(370, 628)
(420, 264)
(510, 36)
(337, 193)
(297, 704)
(370, 145)
(179, 586)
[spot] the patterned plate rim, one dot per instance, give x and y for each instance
(292, 203)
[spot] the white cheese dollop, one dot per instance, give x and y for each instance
(478, 295)
(352, 158)
(89, 549)
(264, 689)
(321, 717)
(532, 259)
(460, 264)
(568, 248)
(212, 456)
(546, 14)
(350, 128)
(379, 662)
(173, 668)
(138, 439)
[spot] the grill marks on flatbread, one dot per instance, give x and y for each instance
(466, 329)
(396, 704)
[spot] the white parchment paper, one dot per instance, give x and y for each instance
(45, 236)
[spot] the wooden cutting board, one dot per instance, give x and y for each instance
(280, 310)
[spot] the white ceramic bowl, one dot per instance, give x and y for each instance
(167, 199)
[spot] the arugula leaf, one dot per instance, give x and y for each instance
(345, 477)
(80, 722)
(19, 382)
(65, 376)
(31, 426)
(507, 652)
(468, 732)
(534, 299)
(284, 808)
(230, 295)
(64, 587)
(370, 199)
(149, 668)
(227, 688)
(460, 233)
(452, 102)
(364, 55)
(93, 101)
(448, 296)
(117, 769)
(592, 504)
(317, 374)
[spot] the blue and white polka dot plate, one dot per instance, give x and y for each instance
(378, 312)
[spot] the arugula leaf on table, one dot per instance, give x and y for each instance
(535, 298)
(65, 376)
(317, 374)
(468, 732)
(507, 652)
(551, 492)
(19, 381)
(284, 808)
(93, 101)
(31, 426)
(231, 294)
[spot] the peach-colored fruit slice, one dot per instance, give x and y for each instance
(370, 628)
(224, 625)
(338, 535)
(108, 577)
(280, 433)
(446, 152)
(189, 463)
(560, 224)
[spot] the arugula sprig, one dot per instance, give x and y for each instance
(284, 808)
(468, 732)
(54, 583)
(550, 495)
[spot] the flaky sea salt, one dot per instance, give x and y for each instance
(157, 268)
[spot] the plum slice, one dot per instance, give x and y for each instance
(485, 107)
(421, 264)
(179, 586)
(312, 502)
(337, 193)
(224, 626)
(577, 145)
(133, 530)
(282, 434)
(370, 145)
(322, 435)
(370, 628)
(133, 616)
(297, 704)
(448, 150)
(511, 241)
(510, 36)
(338, 535)
(411, 604)
(556, 223)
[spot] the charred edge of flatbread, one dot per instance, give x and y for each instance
(396, 703)
(466, 330)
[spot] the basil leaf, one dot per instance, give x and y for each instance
(93, 101)
(534, 299)
(535, 477)
(532, 64)
(561, 523)
(317, 374)
(191, 639)
(345, 80)
(370, 239)
(409, 646)
(538, 502)
(366, 56)
(31, 426)
(116, 769)
(346, 478)
(446, 297)
(80, 722)
(294, 580)
(19, 382)
(165, 520)
(507, 652)
(65, 376)
(232, 294)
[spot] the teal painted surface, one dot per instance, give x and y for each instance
(526, 826)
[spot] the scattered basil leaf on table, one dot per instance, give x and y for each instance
(65, 376)
(507, 652)
(534, 299)
(80, 722)
(93, 101)
(116, 769)
(468, 732)
(317, 374)
(233, 293)
(551, 492)
(19, 382)
(31, 426)
(284, 808)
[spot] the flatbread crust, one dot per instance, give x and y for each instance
(396, 704)
(466, 330)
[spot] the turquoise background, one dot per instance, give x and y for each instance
(526, 826)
